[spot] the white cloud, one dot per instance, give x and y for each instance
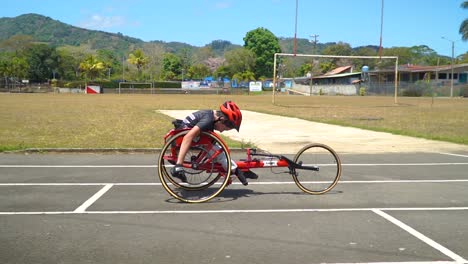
(102, 22)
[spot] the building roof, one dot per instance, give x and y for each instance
(338, 70)
(419, 68)
(347, 74)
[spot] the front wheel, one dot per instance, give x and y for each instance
(319, 170)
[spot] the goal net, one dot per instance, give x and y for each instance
(314, 75)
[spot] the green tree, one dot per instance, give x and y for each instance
(464, 24)
(71, 57)
(43, 62)
(92, 67)
(304, 69)
(17, 43)
(463, 58)
(138, 59)
(240, 60)
(339, 49)
(423, 55)
(111, 62)
(222, 71)
(203, 54)
(244, 76)
(186, 60)
(365, 51)
(264, 44)
(155, 53)
(405, 55)
(13, 66)
(172, 66)
(198, 71)
(68, 68)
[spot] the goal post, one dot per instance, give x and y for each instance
(275, 75)
(133, 85)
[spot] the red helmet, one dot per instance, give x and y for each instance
(233, 113)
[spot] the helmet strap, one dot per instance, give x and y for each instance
(221, 116)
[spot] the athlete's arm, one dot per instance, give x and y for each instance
(185, 146)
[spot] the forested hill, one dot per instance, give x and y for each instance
(56, 33)
(47, 30)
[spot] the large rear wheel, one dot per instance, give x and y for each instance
(206, 176)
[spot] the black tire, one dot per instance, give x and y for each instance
(328, 171)
(205, 176)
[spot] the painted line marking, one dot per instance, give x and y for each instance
(421, 237)
(452, 154)
(234, 183)
(155, 166)
(78, 166)
(254, 211)
(406, 164)
(82, 208)
(405, 262)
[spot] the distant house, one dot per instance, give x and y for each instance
(438, 78)
(341, 75)
(341, 81)
(436, 74)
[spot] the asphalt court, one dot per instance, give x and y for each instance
(106, 208)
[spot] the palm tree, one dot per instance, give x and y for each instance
(138, 59)
(245, 76)
(92, 67)
(464, 24)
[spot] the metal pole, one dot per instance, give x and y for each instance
(396, 80)
(314, 42)
(451, 82)
(451, 79)
(381, 28)
(123, 71)
(295, 30)
(274, 78)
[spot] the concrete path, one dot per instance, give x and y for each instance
(286, 135)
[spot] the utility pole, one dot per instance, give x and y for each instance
(314, 42)
(451, 79)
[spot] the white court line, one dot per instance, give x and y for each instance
(452, 154)
(405, 262)
(253, 211)
(78, 166)
(421, 237)
(234, 183)
(406, 164)
(155, 166)
(82, 208)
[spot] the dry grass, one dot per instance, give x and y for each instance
(132, 121)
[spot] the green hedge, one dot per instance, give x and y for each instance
(115, 84)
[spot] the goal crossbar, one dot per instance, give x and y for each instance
(336, 56)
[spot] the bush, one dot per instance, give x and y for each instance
(115, 84)
(362, 91)
(417, 89)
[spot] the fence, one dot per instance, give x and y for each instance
(374, 89)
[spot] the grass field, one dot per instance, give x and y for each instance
(132, 121)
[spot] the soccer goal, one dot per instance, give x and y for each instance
(309, 75)
(135, 87)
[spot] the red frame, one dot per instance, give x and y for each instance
(244, 164)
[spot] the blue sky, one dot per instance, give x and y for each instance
(406, 23)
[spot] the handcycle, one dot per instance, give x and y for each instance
(316, 168)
